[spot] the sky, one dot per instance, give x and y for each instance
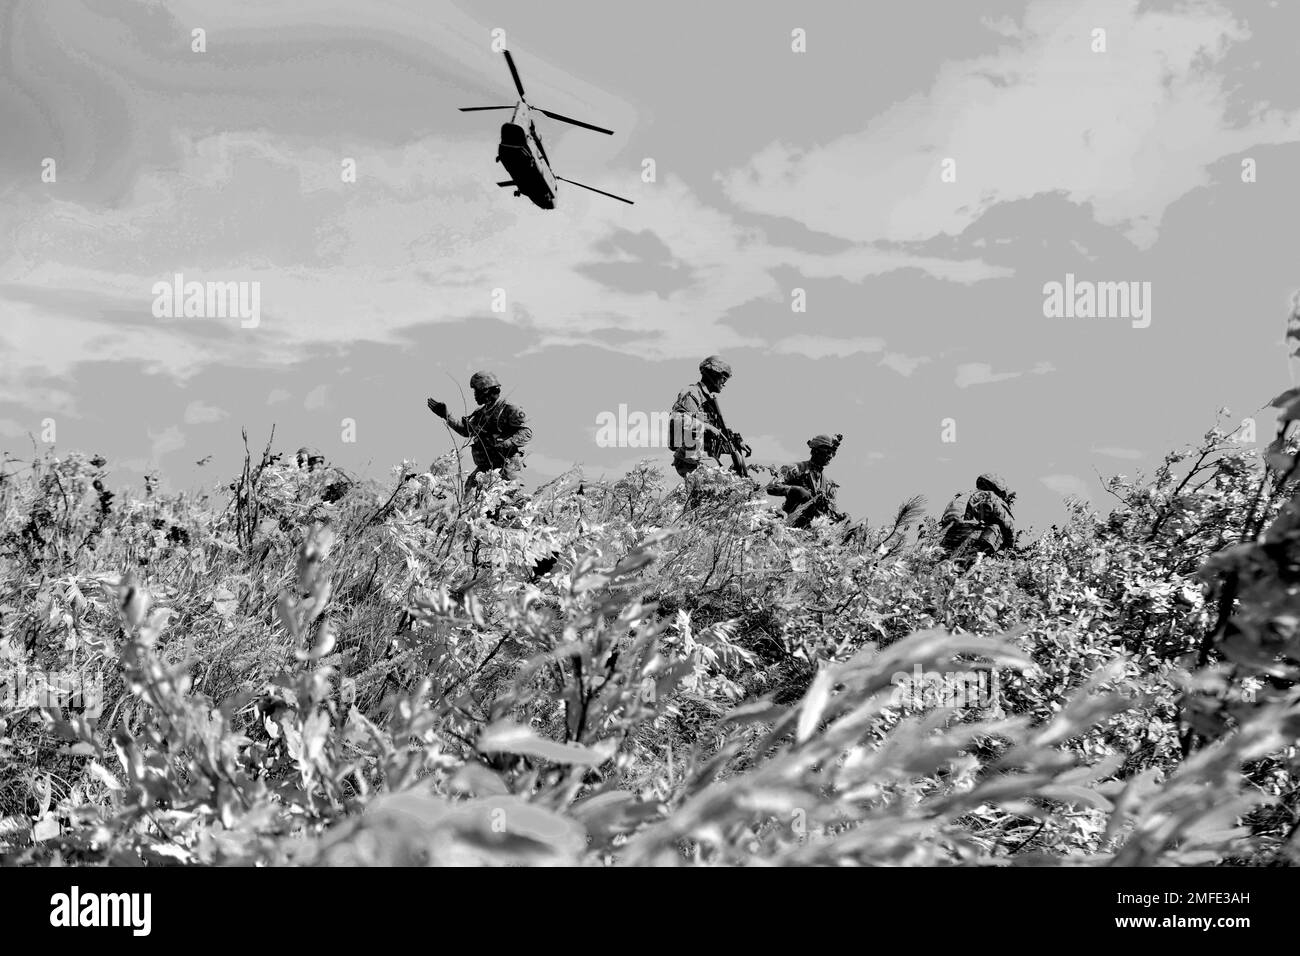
(922, 172)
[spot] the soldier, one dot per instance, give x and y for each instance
(807, 491)
(952, 514)
(987, 525)
(310, 458)
(333, 483)
(497, 430)
(696, 428)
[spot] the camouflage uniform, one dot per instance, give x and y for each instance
(808, 477)
(987, 525)
(952, 515)
(695, 408)
(498, 433)
(691, 412)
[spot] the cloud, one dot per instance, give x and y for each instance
(403, 248)
(316, 398)
(11, 429)
(278, 395)
(904, 365)
(198, 413)
(1110, 451)
(824, 346)
(980, 373)
(165, 442)
(770, 448)
(1067, 486)
(1126, 132)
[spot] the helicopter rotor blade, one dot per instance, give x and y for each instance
(519, 84)
(476, 109)
(574, 122)
(595, 190)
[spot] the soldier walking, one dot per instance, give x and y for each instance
(807, 491)
(696, 427)
(497, 430)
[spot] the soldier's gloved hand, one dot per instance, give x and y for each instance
(437, 407)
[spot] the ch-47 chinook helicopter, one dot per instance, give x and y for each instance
(522, 154)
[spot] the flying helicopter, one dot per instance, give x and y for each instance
(522, 154)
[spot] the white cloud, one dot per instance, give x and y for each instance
(770, 448)
(365, 264)
(1067, 486)
(164, 442)
(904, 365)
(1127, 132)
(278, 395)
(824, 346)
(316, 398)
(980, 373)
(12, 429)
(198, 413)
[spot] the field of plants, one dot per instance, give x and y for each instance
(309, 669)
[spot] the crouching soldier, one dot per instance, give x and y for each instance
(986, 526)
(309, 458)
(333, 483)
(497, 430)
(807, 491)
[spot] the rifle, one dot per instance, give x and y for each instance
(735, 445)
(815, 505)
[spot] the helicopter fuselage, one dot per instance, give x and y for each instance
(524, 158)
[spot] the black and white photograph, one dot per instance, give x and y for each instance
(612, 436)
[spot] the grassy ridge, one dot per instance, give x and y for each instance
(310, 669)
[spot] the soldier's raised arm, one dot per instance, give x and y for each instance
(456, 424)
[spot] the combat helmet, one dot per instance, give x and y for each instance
(994, 483)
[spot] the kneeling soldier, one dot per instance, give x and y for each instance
(987, 525)
(807, 491)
